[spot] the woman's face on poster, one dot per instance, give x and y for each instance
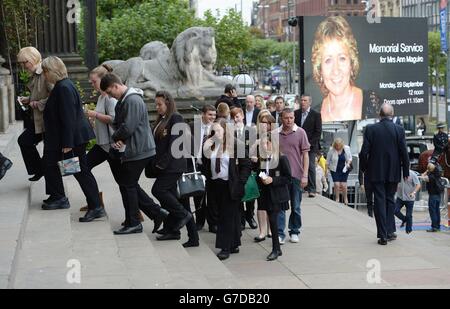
(336, 67)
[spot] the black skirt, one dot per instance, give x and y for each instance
(265, 201)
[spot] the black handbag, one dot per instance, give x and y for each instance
(191, 184)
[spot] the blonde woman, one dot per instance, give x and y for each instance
(260, 104)
(261, 214)
(339, 159)
(30, 59)
(335, 68)
(67, 134)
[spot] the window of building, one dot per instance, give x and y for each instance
(355, 1)
(349, 1)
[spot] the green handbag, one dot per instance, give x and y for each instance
(251, 189)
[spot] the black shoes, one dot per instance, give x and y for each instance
(182, 222)
(159, 219)
(129, 230)
(191, 243)
(382, 241)
(93, 214)
(257, 239)
(6, 165)
(433, 230)
(403, 224)
(274, 255)
(223, 255)
(212, 229)
(169, 236)
(62, 203)
(234, 250)
(392, 237)
(36, 177)
(252, 223)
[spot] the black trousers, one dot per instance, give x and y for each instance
(27, 142)
(249, 211)
(273, 222)
(86, 180)
(133, 197)
(200, 209)
(228, 234)
(384, 207)
(369, 198)
(165, 190)
(97, 156)
(190, 226)
(311, 188)
(212, 209)
(2, 158)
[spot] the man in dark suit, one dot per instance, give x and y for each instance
(310, 121)
(200, 130)
(280, 105)
(382, 156)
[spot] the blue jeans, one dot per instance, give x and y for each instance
(409, 211)
(295, 219)
(434, 201)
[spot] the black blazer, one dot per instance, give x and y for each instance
(274, 114)
(312, 126)
(66, 126)
(238, 172)
(279, 188)
(384, 152)
(164, 162)
(254, 117)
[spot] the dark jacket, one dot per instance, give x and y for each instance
(254, 116)
(279, 188)
(164, 162)
(312, 127)
(231, 101)
(274, 114)
(434, 177)
(132, 126)
(238, 172)
(66, 126)
(384, 153)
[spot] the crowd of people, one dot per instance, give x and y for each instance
(230, 143)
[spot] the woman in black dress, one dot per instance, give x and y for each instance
(274, 179)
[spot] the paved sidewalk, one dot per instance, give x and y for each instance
(337, 249)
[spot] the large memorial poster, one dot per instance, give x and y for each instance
(352, 66)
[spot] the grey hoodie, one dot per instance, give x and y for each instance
(132, 126)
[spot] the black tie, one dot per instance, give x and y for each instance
(217, 165)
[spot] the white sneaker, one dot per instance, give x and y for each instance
(281, 240)
(294, 238)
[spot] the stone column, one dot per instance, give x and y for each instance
(5, 83)
(58, 37)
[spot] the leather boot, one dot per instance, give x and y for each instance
(100, 194)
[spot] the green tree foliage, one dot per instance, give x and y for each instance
(435, 56)
(122, 36)
(19, 21)
(232, 37)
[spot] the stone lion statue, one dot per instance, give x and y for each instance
(186, 70)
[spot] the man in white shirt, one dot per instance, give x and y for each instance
(200, 129)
